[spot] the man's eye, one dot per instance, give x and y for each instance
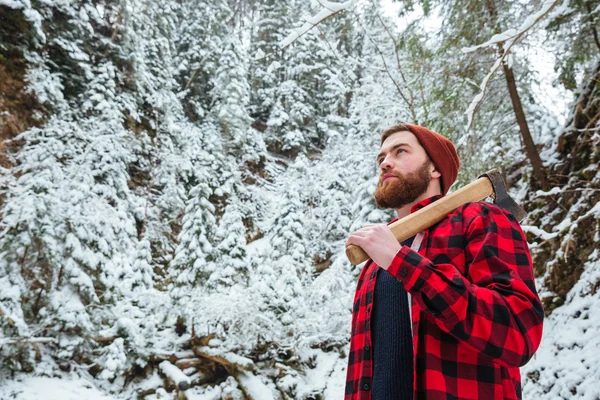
(399, 150)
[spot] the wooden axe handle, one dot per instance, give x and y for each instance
(429, 215)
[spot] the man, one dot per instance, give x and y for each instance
(451, 313)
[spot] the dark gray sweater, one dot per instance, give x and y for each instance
(392, 339)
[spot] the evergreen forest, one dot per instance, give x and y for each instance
(178, 179)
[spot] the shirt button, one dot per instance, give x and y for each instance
(366, 386)
(404, 272)
(367, 347)
(368, 309)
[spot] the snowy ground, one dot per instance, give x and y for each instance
(327, 377)
(34, 388)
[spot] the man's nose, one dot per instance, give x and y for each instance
(386, 164)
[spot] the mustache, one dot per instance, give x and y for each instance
(396, 174)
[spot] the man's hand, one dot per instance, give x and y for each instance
(378, 241)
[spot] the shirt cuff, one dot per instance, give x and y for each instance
(407, 267)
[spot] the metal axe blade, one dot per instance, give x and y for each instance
(501, 197)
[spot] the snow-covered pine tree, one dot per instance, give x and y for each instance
(230, 253)
(231, 91)
(270, 27)
(199, 39)
(299, 90)
(73, 263)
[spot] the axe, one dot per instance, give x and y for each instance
(489, 184)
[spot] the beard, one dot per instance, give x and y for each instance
(405, 189)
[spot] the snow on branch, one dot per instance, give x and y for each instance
(175, 375)
(254, 387)
(483, 87)
(509, 38)
(34, 340)
(329, 10)
(525, 26)
(30, 14)
(563, 226)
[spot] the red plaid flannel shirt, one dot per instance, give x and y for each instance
(476, 315)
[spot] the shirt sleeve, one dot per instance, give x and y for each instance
(494, 307)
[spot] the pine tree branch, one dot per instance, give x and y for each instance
(349, 58)
(330, 9)
(322, 34)
(113, 36)
(187, 85)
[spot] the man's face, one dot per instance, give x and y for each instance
(404, 171)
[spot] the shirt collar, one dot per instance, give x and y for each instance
(421, 204)
(425, 202)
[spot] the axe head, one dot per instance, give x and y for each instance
(501, 197)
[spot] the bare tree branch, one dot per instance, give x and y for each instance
(410, 92)
(387, 70)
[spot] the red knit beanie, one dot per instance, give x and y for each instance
(442, 153)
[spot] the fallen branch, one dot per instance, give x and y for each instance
(253, 387)
(186, 363)
(102, 339)
(174, 375)
(228, 360)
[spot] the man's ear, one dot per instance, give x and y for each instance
(434, 172)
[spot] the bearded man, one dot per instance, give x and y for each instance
(451, 313)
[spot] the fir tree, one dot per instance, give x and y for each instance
(232, 93)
